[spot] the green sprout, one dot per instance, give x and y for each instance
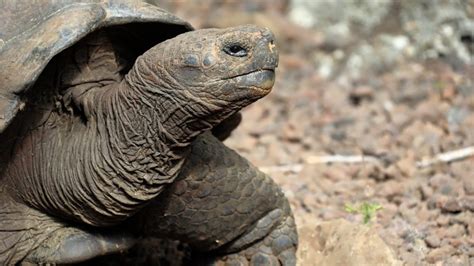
(368, 210)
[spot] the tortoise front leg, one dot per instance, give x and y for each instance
(73, 245)
(225, 208)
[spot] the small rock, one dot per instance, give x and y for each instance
(408, 214)
(400, 117)
(292, 133)
(424, 214)
(468, 250)
(409, 258)
(456, 242)
(467, 203)
(468, 184)
(451, 205)
(457, 260)
(439, 253)
(410, 235)
(388, 213)
(406, 167)
(433, 241)
(372, 171)
(336, 174)
(390, 189)
(360, 94)
(426, 191)
(442, 220)
(446, 185)
(426, 112)
(464, 218)
(454, 231)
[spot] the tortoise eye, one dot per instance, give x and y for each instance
(235, 50)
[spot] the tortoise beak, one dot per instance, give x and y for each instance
(259, 81)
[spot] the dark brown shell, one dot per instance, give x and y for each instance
(33, 32)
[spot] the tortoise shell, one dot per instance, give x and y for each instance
(33, 32)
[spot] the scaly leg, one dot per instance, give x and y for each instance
(225, 209)
(73, 245)
(30, 237)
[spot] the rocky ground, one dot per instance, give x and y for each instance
(392, 117)
(414, 112)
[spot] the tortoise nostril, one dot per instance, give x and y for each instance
(268, 34)
(271, 46)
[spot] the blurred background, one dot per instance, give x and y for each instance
(369, 96)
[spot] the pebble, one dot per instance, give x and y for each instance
(372, 171)
(468, 250)
(456, 242)
(433, 241)
(468, 185)
(460, 260)
(336, 174)
(409, 215)
(424, 214)
(454, 231)
(360, 94)
(439, 253)
(442, 220)
(387, 213)
(409, 258)
(406, 166)
(426, 191)
(464, 218)
(445, 185)
(292, 133)
(390, 189)
(467, 203)
(451, 205)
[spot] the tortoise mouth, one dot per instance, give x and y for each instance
(259, 81)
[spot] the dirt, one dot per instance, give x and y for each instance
(397, 117)
(414, 112)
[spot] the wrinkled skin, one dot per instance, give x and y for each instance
(99, 146)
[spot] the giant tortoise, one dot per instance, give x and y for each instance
(111, 120)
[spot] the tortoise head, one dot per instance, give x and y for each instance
(214, 72)
(235, 65)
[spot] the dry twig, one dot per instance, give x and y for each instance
(447, 157)
(294, 168)
(323, 159)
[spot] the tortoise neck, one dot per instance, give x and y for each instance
(170, 115)
(147, 131)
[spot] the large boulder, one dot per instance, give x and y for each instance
(340, 242)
